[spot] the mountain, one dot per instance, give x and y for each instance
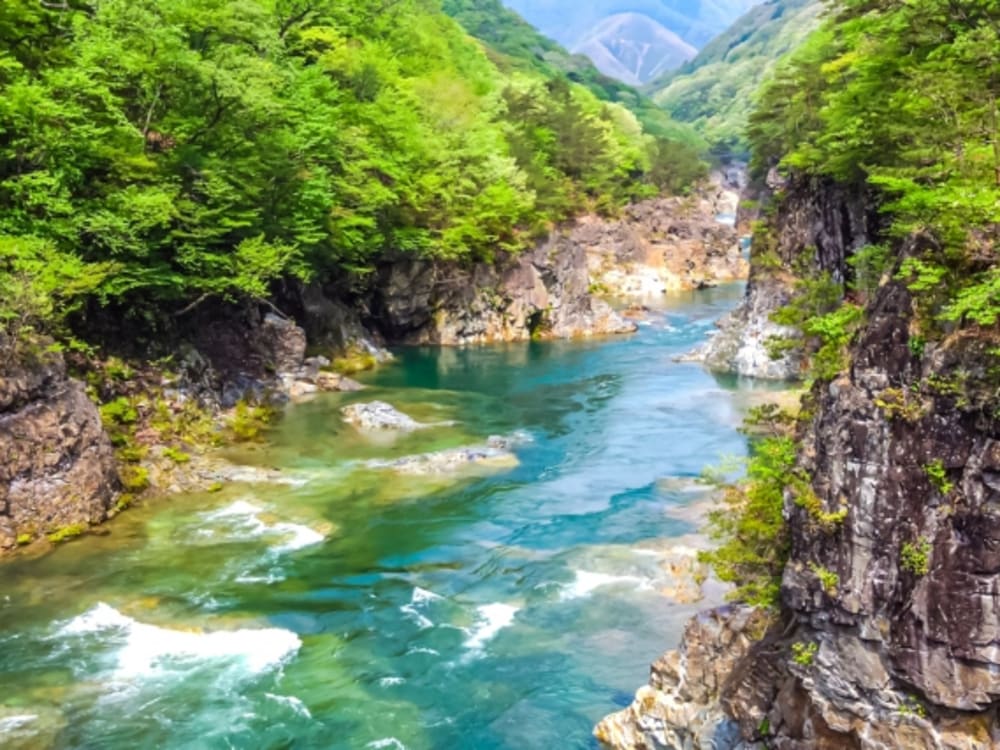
(633, 41)
(715, 90)
(634, 48)
(514, 45)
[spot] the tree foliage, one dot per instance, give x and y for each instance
(905, 97)
(206, 148)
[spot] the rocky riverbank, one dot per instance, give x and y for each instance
(222, 370)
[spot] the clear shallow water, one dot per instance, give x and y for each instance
(350, 607)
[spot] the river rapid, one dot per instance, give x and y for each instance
(348, 606)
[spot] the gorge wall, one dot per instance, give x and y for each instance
(888, 634)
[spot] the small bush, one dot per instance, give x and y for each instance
(803, 654)
(248, 421)
(134, 479)
(916, 557)
(827, 578)
(177, 456)
(938, 476)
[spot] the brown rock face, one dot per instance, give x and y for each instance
(56, 463)
(679, 708)
(544, 293)
(667, 244)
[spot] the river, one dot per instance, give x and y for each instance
(347, 607)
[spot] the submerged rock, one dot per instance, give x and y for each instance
(378, 415)
(449, 461)
(30, 727)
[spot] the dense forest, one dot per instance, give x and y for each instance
(154, 155)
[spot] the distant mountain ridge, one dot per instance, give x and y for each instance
(634, 48)
(633, 41)
(714, 91)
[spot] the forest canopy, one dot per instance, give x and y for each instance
(157, 152)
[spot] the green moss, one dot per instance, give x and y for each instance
(938, 476)
(354, 362)
(23, 539)
(125, 501)
(135, 479)
(827, 578)
(214, 487)
(912, 707)
(807, 499)
(65, 533)
(177, 456)
(121, 411)
(248, 421)
(900, 403)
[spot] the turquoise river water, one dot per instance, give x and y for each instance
(349, 606)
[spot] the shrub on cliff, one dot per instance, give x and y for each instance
(749, 527)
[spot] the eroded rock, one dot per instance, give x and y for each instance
(679, 708)
(57, 467)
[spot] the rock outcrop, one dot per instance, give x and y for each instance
(822, 223)
(543, 293)
(679, 708)
(663, 245)
(57, 468)
(660, 245)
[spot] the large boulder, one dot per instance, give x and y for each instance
(57, 466)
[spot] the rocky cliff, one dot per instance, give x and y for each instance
(656, 246)
(821, 224)
(57, 467)
(889, 630)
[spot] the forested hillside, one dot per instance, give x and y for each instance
(154, 155)
(907, 100)
(715, 91)
(516, 45)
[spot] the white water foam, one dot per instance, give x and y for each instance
(386, 742)
(291, 702)
(147, 648)
(10, 723)
(586, 582)
(418, 599)
(246, 516)
(492, 619)
(391, 681)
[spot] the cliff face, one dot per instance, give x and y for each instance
(821, 223)
(890, 624)
(656, 246)
(57, 467)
